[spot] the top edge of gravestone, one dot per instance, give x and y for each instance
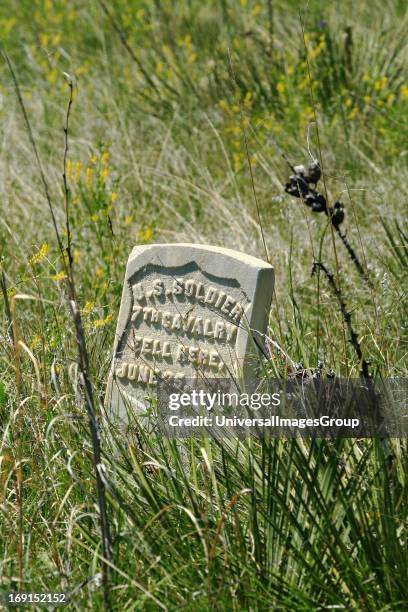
(249, 260)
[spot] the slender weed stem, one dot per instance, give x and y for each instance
(346, 317)
(83, 357)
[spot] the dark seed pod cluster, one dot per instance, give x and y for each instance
(300, 186)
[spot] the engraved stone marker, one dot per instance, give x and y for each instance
(188, 311)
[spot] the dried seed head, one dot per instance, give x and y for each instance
(297, 186)
(337, 214)
(319, 204)
(314, 172)
(301, 170)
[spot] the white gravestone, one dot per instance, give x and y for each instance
(187, 311)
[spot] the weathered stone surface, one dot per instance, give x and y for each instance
(187, 311)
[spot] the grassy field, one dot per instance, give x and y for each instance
(186, 118)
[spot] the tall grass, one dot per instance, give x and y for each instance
(160, 139)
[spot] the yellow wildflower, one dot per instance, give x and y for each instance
(78, 168)
(129, 220)
(88, 307)
(105, 157)
(41, 254)
(114, 196)
(146, 234)
(104, 174)
(381, 83)
(313, 53)
(233, 129)
(404, 91)
(59, 276)
(89, 175)
(102, 322)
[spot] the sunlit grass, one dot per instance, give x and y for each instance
(157, 154)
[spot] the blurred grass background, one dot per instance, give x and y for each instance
(167, 94)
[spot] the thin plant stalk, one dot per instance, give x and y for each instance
(83, 358)
(313, 103)
(346, 317)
